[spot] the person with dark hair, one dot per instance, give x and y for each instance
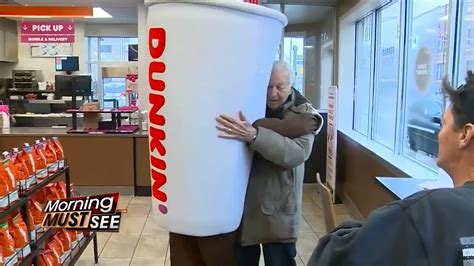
(431, 227)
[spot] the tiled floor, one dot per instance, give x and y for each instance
(142, 242)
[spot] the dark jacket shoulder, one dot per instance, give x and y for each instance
(419, 230)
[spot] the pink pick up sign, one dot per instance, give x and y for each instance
(47, 32)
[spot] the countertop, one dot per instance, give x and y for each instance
(61, 132)
(401, 187)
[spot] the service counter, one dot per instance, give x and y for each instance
(95, 159)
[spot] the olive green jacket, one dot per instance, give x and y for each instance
(274, 195)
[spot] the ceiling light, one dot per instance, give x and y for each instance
(100, 13)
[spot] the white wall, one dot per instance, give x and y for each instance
(142, 58)
(111, 30)
(345, 67)
(26, 62)
(325, 59)
(6, 68)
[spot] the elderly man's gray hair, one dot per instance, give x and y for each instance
(282, 65)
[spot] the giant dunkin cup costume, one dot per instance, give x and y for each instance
(204, 58)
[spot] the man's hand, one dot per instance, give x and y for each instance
(294, 125)
(237, 129)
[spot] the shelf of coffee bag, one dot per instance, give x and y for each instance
(70, 259)
(120, 110)
(35, 247)
(73, 256)
(43, 237)
(4, 213)
(42, 183)
(80, 248)
(17, 258)
(40, 238)
(29, 259)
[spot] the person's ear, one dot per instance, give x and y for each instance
(467, 136)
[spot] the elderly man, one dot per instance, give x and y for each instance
(220, 250)
(433, 227)
(274, 195)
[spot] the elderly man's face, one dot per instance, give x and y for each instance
(279, 89)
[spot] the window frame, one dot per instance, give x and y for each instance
(373, 123)
(403, 68)
(451, 67)
(99, 90)
(458, 79)
(447, 66)
(371, 77)
(290, 35)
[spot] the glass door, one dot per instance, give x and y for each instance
(293, 48)
(114, 92)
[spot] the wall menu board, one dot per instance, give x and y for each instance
(51, 50)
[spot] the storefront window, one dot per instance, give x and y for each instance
(294, 55)
(111, 50)
(93, 50)
(386, 82)
(94, 71)
(466, 51)
(417, 45)
(427, 58)
(126, 43)
(363, 73)
(114, 89)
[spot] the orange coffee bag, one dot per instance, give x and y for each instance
(18, 231)
(6, 241)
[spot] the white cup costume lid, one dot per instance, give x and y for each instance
(233, 4)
